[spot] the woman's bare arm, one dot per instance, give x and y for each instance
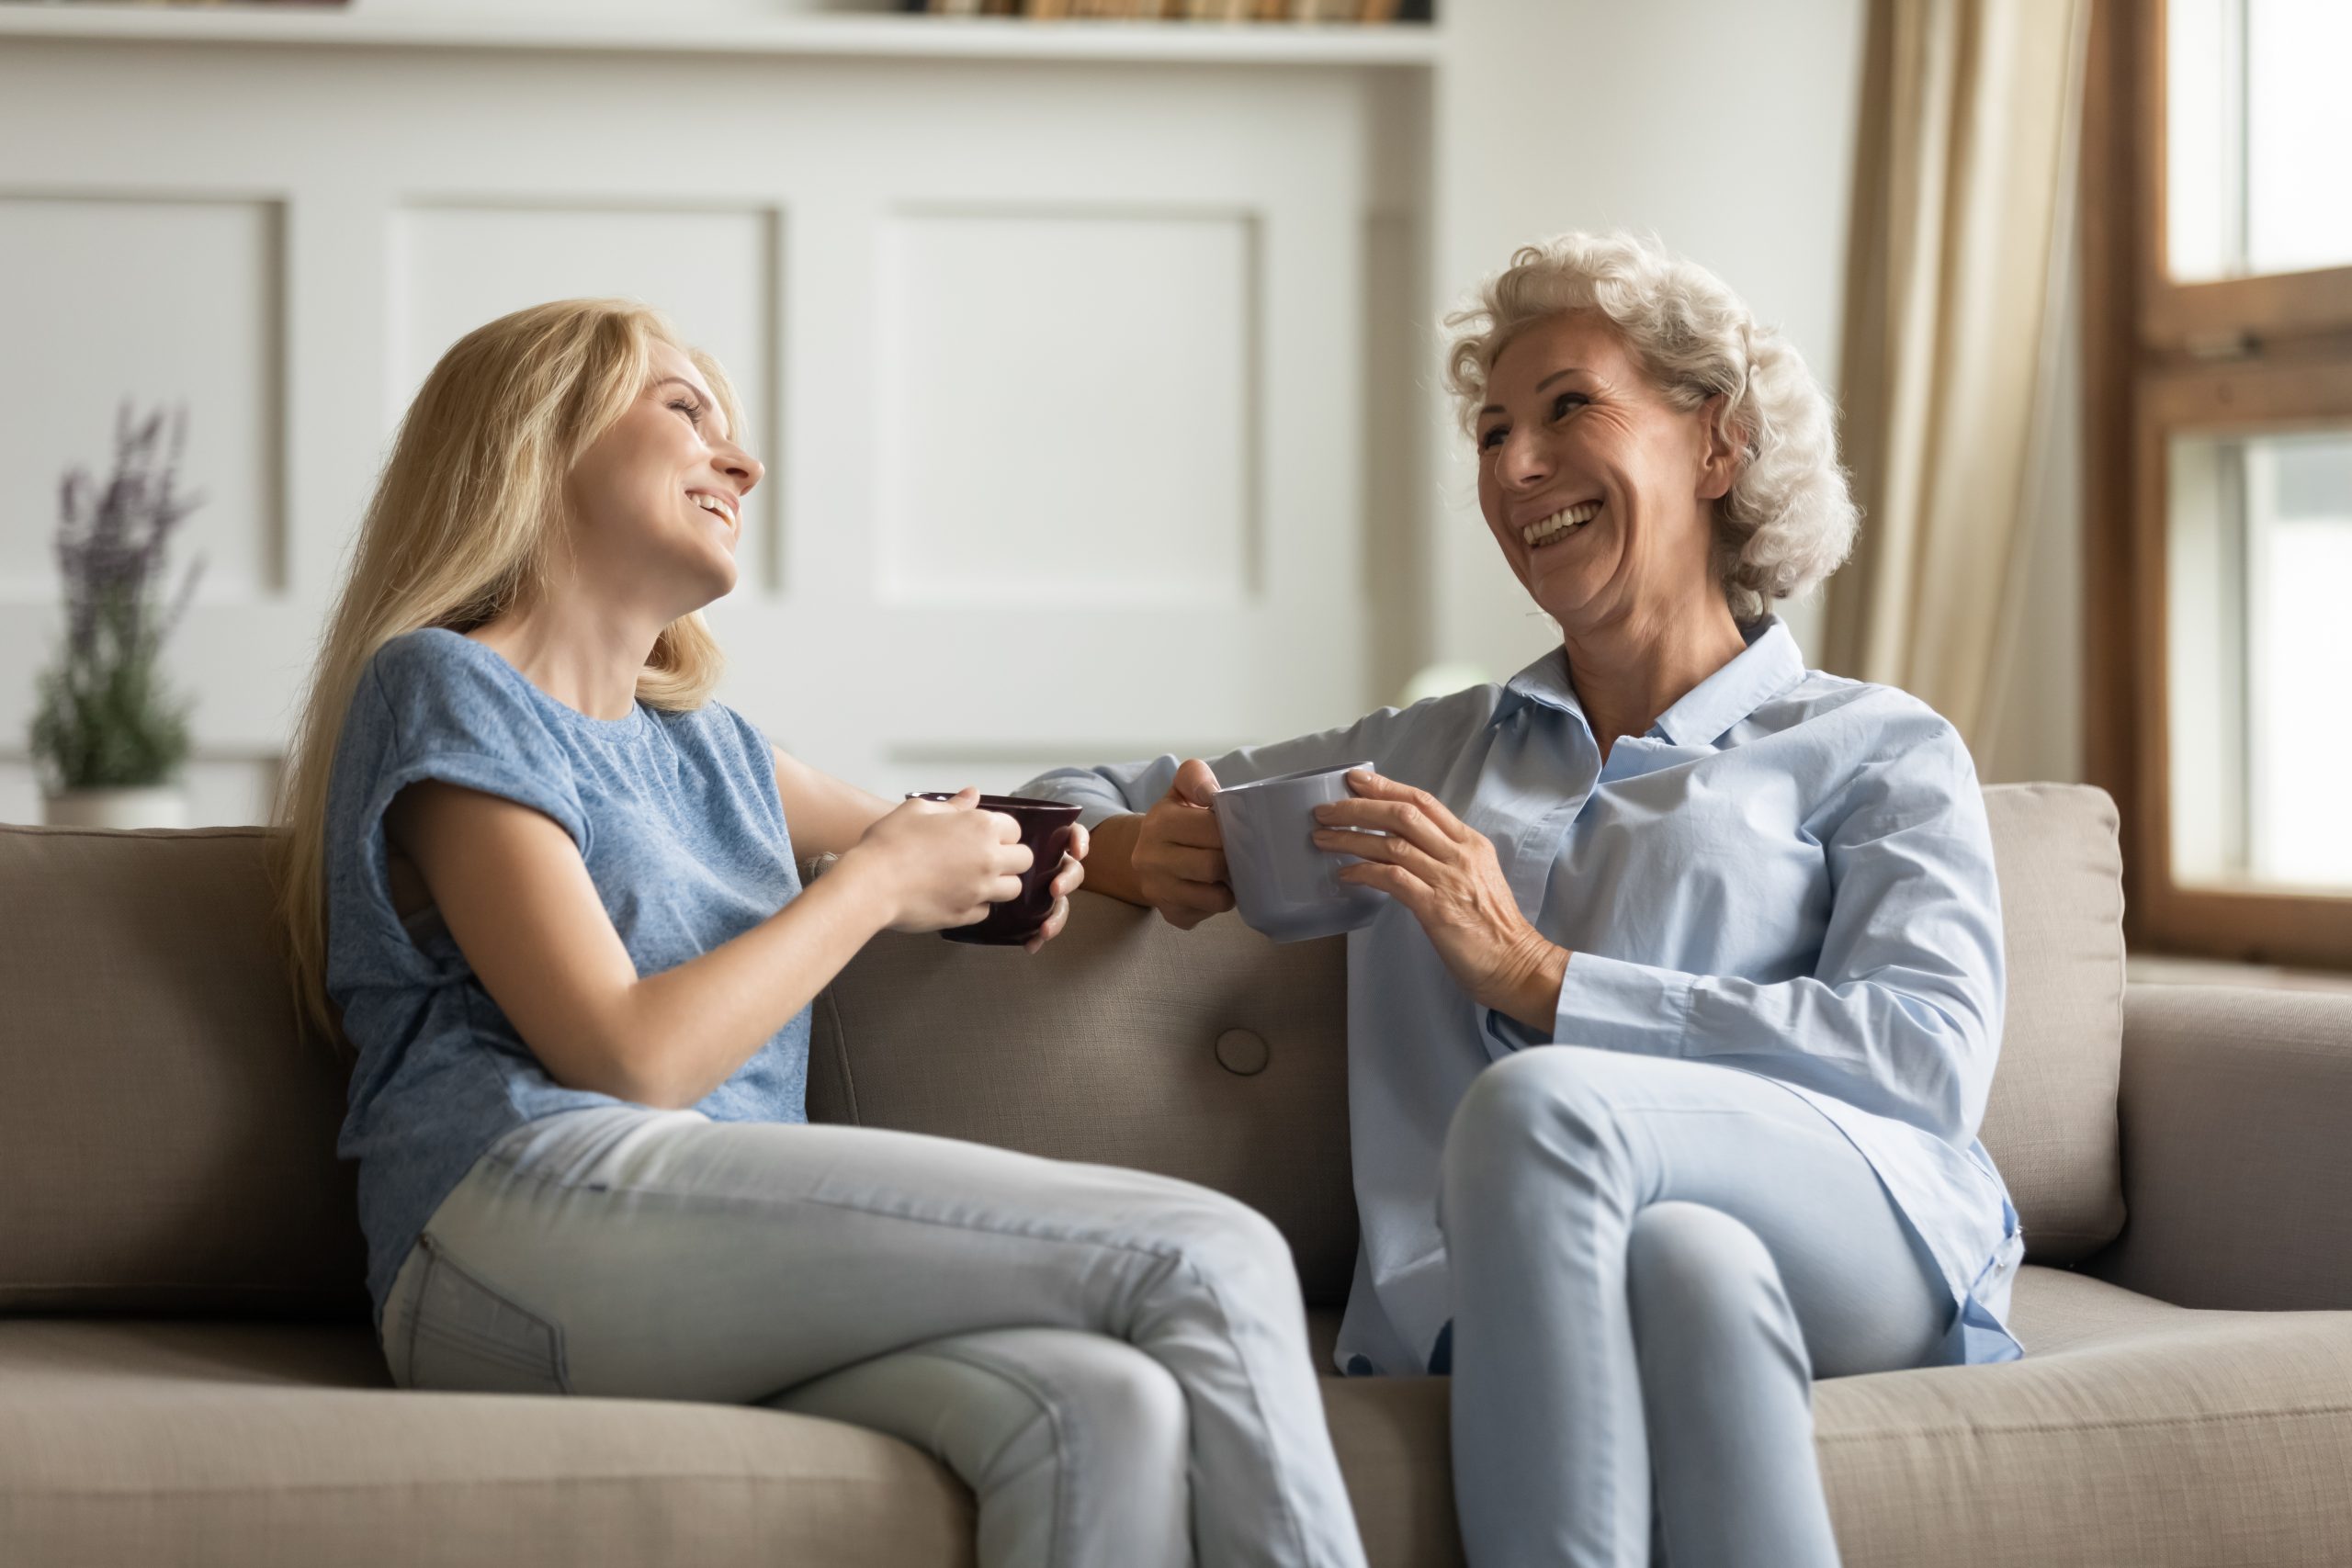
(516, 897)
(825, 815)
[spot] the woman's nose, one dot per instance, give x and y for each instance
(742, 466)
(1522, 461)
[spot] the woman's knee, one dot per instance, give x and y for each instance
(1549, 1105)
(1696, 1275)
(1223, 1242)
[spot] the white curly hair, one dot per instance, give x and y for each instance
(1789, 519)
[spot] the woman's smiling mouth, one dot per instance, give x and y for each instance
(715, 504)
(1560, 524)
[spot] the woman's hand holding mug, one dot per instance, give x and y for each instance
(1178, 852)
(942, 863)
(1414, 849)
(1067, 881)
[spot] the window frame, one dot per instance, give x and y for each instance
(2162, 358)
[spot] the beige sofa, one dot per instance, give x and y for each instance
(186, 1372)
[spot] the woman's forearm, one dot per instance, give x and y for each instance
(686, 1029)
(1111, 859)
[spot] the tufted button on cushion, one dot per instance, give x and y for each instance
(1241, 1050)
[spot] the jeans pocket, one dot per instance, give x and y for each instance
(466, 1336)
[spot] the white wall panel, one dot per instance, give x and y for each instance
(1067, 407)
(1118, 306)
(158, 301)
(458, 267)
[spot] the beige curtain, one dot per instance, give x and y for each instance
(1962, 218)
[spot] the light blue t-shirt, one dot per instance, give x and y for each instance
(675, 813)
(1791, 874)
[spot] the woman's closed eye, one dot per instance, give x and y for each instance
(692, 409)
(1562, 406)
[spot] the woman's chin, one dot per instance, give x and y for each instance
(1566, 596)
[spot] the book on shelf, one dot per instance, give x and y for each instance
(1367, 13)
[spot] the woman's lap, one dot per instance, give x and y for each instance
(629, 1253)
(671, 1256)
(1862, 1285)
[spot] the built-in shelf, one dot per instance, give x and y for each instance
(816, 35)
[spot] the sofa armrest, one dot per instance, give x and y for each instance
(2236, 1110)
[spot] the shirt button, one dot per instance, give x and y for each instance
(1242, 1051)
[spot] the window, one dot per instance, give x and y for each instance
(2217, 202)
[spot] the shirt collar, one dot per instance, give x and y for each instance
(1768, 666)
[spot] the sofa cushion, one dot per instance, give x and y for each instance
(1213, 1055)
(250, 1445)
(2050, 1125)
(2133, 1435)
(167, 1128)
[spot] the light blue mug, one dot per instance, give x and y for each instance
(1283, 884)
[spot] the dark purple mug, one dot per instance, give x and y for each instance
(1045, 828)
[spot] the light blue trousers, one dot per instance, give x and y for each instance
(1115, 1362)
(1651, 1260)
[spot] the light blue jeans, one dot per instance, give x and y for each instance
(1115, 1362)
(1651, 1260)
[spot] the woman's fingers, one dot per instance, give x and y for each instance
(1390, 849)
(1199, 899)
(1194, 783)
(1394, 880)
(1370, 785)
(1186, 863)
(1052, 928)
(1069, 878)
(1194, 826)
(1405, 819)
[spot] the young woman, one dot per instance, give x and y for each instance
(550, 886)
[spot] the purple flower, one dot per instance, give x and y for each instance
(104, 720)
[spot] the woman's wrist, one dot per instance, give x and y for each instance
(868, 893)
(1531, 991)
(1111, 857)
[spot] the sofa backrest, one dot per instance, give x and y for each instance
(2050, 1125)
(1131, 1042)
(166, 1129)
(167, 1125)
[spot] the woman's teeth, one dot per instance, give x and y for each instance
(1559, 523)
(712, 503)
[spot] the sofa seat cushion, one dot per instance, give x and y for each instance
(2133, 1435)
(253, 1445)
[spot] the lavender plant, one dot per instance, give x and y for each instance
(105, 719)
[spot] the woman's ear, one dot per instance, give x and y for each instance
(1719, 462)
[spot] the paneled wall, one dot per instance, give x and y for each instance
(1059, 367)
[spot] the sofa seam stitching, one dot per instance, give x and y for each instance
(1998, 1428)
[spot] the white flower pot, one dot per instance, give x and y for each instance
(160, 806)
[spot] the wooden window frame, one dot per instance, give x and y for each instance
(2160, 358)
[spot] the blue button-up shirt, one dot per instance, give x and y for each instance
(1791, 874)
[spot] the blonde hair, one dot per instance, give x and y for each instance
(467, 521)
(1789, 519)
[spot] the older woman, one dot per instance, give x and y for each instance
(1668, 1055)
